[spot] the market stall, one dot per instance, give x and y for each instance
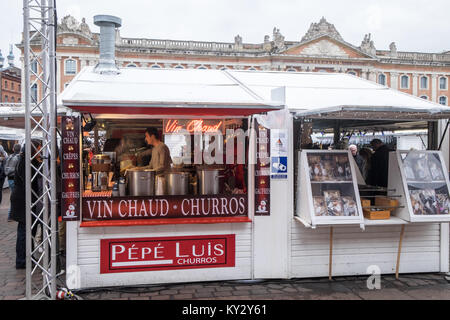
(128, 223)
(319, 241)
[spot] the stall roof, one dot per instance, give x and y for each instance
(13, 115)
(340, 96)
(162, 91)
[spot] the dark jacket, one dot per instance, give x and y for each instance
(379, 167)
(18, 194)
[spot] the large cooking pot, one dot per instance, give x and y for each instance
(177, 183)
(209, 180)
(141, 182)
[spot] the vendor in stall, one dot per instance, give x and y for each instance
(379, 164)
(160, 160)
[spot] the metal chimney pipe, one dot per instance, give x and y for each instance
(108, 25)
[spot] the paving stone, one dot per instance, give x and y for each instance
(160, 297)
(385, 294)
(168, 292)
(183, 296)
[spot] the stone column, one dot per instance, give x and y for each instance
(394, 80)
(434, 88)
(415, 84)
(372, 76)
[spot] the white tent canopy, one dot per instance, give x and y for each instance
(339, 96)
(177, 89)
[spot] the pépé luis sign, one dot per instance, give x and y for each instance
(166, 253)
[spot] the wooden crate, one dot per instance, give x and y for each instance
(387, 202)
(376, 215)
(365, 202)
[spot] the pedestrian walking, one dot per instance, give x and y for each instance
(10, 169)
(18, 200)
(3, 156)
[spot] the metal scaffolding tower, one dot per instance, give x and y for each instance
(39, 30)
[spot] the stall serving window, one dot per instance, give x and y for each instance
(204, 180)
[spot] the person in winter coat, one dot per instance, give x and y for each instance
(3, 156)
(10, 168)
(18, 201)
(379, 164)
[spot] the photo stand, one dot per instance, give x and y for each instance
(421, 177)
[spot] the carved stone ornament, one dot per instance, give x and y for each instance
(70, 24)
(324, 47)
(278, 39)
(367, 45)
(322, 28)
(393, 50)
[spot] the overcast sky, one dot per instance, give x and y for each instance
(415, 25)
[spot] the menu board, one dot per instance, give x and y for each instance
(262, 171)
(70, 202)
(426, 184)
(327, 189)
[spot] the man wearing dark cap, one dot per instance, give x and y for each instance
(379, 164)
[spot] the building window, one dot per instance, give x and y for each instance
(443, 100)
(382, 79)
(424, 82)
(6, 98)
(70, 66)
(66, 84)
(131, 65)
(353, 73)
(34, 66)
(404, 82)
(12, 100)
(12, 85)
(34, 93)
(224, 68)
(443, 83)
(6, 84)
(251, 69)
(155, 66)
(202, 67)
(424, 97)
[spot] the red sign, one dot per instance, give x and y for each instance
(163, 207)
(262, 171)
(70, 175)
(167, 253)
(192, 126)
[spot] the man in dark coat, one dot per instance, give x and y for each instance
(379, 164)
(18, 203)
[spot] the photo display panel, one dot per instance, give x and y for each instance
(332, 186)
(426, 183)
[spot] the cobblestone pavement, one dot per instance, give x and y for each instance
(410, 287)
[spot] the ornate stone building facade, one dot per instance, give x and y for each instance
(321, 49)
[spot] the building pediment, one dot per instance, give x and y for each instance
(326, 46)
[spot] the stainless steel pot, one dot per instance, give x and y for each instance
(208, 180)
(160, 185)
(177, 183)
(141, 182)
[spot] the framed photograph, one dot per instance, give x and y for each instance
(421, 169)
(320, 208)
(435, 167)
(443, 203)
(350, 207)
(424, 202)
(334, 203)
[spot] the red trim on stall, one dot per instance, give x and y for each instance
(173, 111)
(146, 222)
